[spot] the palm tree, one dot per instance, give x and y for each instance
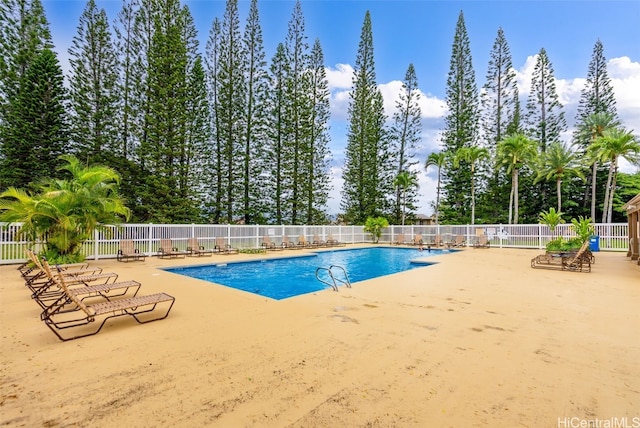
(592, 128)
(403, 181)
(609, 147)
(66, 212)
(471, 155)
(559, 162)
(514, 151)
(437, 159)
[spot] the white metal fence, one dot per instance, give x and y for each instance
(611, 237)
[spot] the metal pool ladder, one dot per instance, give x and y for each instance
(335, 281)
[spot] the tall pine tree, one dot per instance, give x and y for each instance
(597, 98)
(317, 160)
(461, 125)
(276, 134)
(163, 148)
(367, 173)
(24, 34)
(545, 124)
(37, 123)
(230, 113)
(545, 117)
(93, 88)
(405, 135)
(214, 201)
(500, 116)
(253, 197)
(298, 112)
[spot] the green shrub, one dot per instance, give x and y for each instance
(561, 244)
(374, 226)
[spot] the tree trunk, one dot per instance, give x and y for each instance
(613, 189)
(559, 190)
(593, 191)
(607, 192)
(438, 197)
(473, 200)
(511, 201)
(515, 196)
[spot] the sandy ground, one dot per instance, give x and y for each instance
(479, 339)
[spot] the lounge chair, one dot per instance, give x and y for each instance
(99, 313)
(580, 261)
(400, 239)
(334, 242)
(436, 241)
(417, 239)
(35, 277)
(287, 244)
(167, 250)
(459, 241)
(81, 288)
(195, 249)
(46, 291)
(303, 243)
(224, 248)
(269, 245)
(318, 242)
(128, 251)
(482, 242)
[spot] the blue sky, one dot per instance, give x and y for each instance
(421, 32)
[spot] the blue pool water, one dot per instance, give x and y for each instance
(291, 276)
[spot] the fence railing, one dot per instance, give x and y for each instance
(104, 245)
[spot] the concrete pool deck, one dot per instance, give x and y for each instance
(478, 339)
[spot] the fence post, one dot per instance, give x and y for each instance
(257, 236)
(150, 240)
(95, 244)
(539, 236)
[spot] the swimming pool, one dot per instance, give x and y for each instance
(280, 278)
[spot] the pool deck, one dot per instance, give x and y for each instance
(477, 339)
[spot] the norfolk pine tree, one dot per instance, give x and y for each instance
(215, 199)
(545, 122)
(93, 89)
(597, 98)
(24, 34)
(461, 124)
(38, 122)
(297, 143)
(367, 174)
(405, 135)
(253, 196)
(229, 109)
(500, 116)
(276, 134)
(317, 176)
(169, 59)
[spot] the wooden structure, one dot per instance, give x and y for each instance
(633, 214)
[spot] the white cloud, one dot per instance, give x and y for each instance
(569, 91)
(625, 78)
(339, 77)
(523, 76)
(340, 81)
